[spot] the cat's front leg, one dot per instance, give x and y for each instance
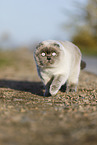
(57, 82)
(47, 87)
(47, 80)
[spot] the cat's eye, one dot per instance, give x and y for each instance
(43, 54)
(53, 54)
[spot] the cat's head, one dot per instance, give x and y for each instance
(47, 54)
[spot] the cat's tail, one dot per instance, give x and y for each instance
(83, 64)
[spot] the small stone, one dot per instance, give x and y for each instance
(81, 109)
(22, 110)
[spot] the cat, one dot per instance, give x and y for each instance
(58, 63)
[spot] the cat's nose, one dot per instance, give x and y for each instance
(48, 58)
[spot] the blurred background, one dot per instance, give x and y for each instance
(23, 23)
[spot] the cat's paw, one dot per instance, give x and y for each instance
(53, 90)
(71, 88)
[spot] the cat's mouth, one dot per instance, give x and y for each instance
(47, 64)
(48, 58)
(50, 61)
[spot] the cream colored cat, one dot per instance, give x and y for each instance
(58, 62)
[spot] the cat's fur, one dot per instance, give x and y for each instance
(58, 62)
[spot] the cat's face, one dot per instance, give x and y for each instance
(47, 55)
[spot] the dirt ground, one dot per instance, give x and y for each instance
(28, 118)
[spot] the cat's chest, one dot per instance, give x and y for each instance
(52, 71)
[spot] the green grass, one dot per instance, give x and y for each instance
(5, 59)
(90, 51)
(9, 57)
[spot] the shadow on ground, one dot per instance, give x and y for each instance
(33, 87)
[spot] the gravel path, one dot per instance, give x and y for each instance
(28, 118)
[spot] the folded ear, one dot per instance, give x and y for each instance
(83, 64)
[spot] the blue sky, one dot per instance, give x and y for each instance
(32, 20)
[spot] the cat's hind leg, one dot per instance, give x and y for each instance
(72, 82)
